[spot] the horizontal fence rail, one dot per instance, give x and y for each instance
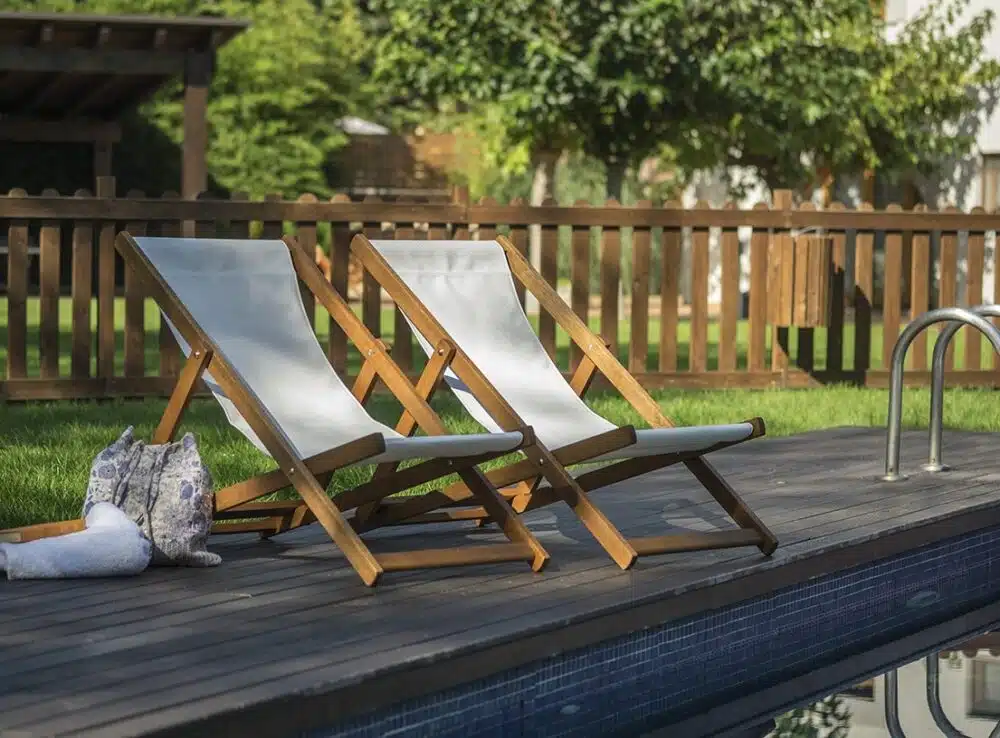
(689, 297)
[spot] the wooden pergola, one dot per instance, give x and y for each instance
(71, 78)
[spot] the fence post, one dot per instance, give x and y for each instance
(779, 335)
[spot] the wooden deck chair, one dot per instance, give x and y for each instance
(236, 309)
(463, 292)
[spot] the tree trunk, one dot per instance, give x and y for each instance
(615, 179)
(543, 187)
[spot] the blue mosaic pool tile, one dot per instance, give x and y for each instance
(627, 683)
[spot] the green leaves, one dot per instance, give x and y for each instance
(278, 90)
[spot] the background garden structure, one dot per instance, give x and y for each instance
(76, 325)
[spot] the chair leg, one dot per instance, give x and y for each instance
(731, 502)
(567, 489)
(498, 508)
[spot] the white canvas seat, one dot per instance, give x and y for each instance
(468, 287)
(245, 295)
(463, 293)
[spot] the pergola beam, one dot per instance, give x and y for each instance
(92, 61)
(31, 130)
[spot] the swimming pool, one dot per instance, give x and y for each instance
(717, 672)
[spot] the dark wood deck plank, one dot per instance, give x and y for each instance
(287, 615)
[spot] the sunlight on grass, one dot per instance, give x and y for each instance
(46, 448)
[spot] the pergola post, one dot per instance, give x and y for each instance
(198, 71)
(103, 153)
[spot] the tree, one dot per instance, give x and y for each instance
(278, 90)
(820, 85)
(782, 88)
(549, 76)
(828, 718)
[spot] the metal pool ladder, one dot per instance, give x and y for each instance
(956, 317)
(947, 728)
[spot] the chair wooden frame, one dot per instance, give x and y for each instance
(542, 463)
(310, 477)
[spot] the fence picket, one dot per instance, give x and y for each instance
(550, 273)
(729, 315)
(49, 238)
(170, 351)
(759, 245)
(579, 281)
(864, 294)
(698, 356)
(641, 258)
(17, 295)
(920, 284)
(306, 235)
(519, 237)
(611, 277)
(670, 274)
(805, 350)
(974, 294)
(135, 304)
(107, 258)
(371, 291)
(948, 290)
(835, 330)
(892, 290)
(81, 289)
(402, 341)
(340, 267)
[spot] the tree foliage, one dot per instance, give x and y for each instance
(828, 718)
(781, 87)
(604, 78)
(822, 85)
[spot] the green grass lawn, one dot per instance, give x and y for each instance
(46, 448)
(323, 330)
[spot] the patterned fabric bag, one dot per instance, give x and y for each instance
(164, 489)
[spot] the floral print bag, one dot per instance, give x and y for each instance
(164, 489)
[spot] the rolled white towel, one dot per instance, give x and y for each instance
(110, 546)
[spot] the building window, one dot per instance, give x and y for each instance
(864, 691)
(991, 182)
(985, 689)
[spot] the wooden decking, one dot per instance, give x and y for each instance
(282, 637)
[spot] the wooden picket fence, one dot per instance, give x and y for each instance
(913, 255)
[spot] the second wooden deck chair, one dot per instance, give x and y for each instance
(236, 308)
(464, 292)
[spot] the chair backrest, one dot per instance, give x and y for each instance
(467, 286)
(244, 295)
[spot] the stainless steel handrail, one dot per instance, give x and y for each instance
(934, 463)
(948, 730)
(892, 705)
(920, 323)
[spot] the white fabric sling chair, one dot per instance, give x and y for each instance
(236, 309)
(463, 292)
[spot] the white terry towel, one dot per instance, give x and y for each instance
(110, 546)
